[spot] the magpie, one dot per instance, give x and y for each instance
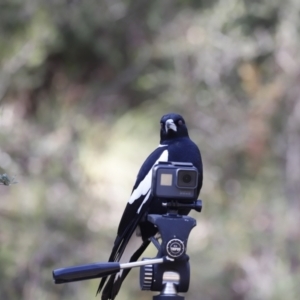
(134, 230)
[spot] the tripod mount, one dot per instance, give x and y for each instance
(167, 273)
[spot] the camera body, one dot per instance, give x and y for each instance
(175, 181)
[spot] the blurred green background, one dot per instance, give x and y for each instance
(83, 85)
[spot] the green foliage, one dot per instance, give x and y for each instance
(82, 87)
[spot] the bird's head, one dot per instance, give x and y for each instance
(172, 126)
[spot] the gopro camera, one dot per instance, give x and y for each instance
(175, 180)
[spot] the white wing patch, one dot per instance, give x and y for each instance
(145, 185)
(160, 145)
(145, 199)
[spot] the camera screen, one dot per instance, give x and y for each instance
(166, 179)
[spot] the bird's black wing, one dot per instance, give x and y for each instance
(134, 211)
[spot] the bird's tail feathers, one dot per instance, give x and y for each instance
(115, 281)
(111, 288)
(117, 253)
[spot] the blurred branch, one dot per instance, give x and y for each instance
(293, 153)
(13, 65)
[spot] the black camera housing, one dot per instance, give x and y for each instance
(175, 180)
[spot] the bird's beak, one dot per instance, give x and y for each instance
(170, 125)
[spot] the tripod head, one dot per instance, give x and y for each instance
(173, 276)
(168, 272)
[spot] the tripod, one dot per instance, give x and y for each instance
(167, 273)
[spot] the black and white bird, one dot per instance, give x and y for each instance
(134, 230)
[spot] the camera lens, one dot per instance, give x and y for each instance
(186, 178)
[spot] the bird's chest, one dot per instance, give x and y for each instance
(180, 152)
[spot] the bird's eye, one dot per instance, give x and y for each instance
(180, 122)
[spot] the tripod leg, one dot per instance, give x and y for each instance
(155, 242)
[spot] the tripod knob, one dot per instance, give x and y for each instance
(175, 248)
(146, 276)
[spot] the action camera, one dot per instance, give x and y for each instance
(175, 180)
